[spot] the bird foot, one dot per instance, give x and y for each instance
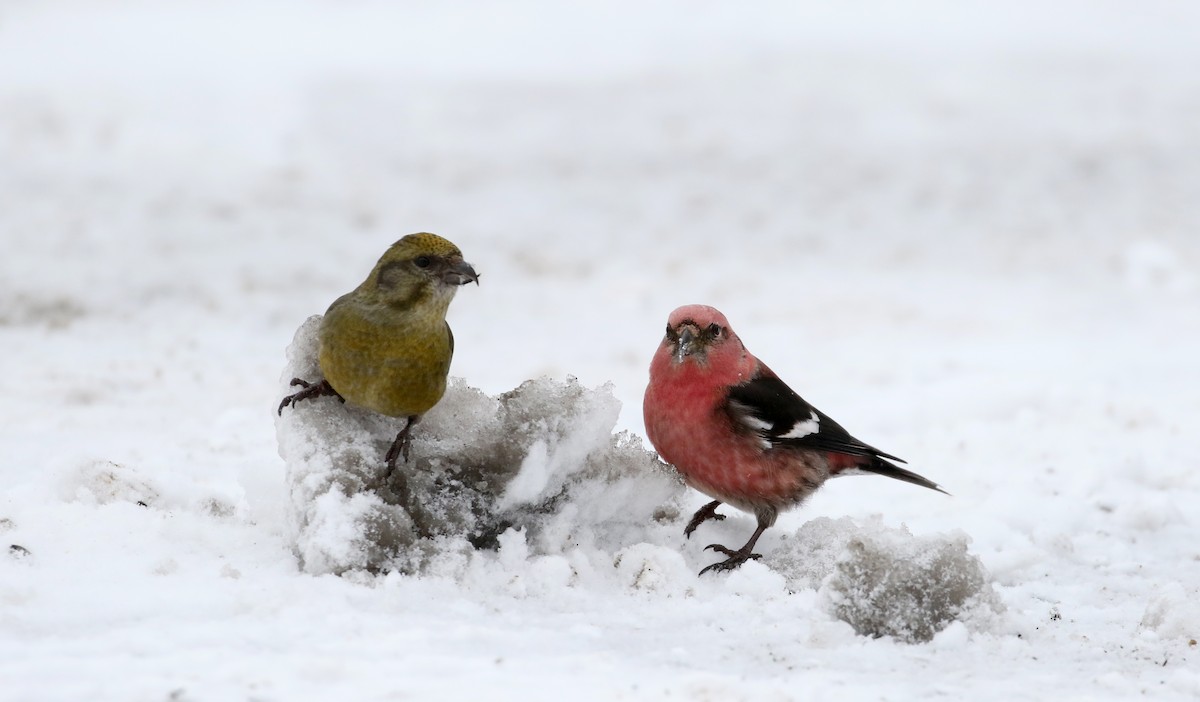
(705, 513)
(309, 391)
(736, 558)
(400, 447)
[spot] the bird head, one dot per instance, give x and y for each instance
(695, 331)
(419, 266)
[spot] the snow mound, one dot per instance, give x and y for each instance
(886, 582)
(541, 459)
(1174, 613)
(104, 482)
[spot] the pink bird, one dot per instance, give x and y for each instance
(739, 434)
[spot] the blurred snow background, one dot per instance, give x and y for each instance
(971, 234)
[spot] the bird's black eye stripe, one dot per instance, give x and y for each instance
(422, 261)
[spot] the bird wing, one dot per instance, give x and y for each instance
(766, 406)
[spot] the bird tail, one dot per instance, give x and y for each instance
(880, 466)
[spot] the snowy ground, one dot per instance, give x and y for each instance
(971, 236)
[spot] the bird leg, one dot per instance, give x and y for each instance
(702, 515)
(400, 446)
(309, 391)
(740, 556)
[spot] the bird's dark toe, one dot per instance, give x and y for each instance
(401, 447)
(705, 513)
(736, 558)
(308, 391)
(398, 449)
(697, 521)
(718, 567)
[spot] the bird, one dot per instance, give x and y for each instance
(386, 346)
(737, 433)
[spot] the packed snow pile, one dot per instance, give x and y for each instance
(541, 458)
(1174, 613)
(886, 582)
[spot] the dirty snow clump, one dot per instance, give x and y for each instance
(886, 582)
(1174, 613)
(541, 458)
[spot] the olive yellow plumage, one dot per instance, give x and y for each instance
(386, 345)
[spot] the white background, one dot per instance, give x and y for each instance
(970, 234)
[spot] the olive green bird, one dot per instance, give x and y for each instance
(386, 345)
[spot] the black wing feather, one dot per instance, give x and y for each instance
(767, 406)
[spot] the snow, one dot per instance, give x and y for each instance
(996, 205)
(541, 459)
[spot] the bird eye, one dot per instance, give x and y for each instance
(422, 261)
(714, 331)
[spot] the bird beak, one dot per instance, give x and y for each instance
(685, 345)
(460, 273)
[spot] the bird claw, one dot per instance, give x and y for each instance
(400, 447)
(307, 392)
(736, 558)
(705, 513)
